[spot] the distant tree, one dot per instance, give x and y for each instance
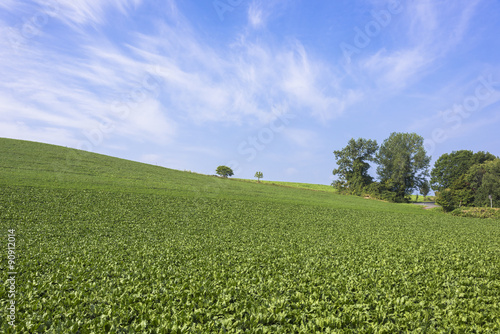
(352, 166)
(403, 164)
(424, 188)
(449, 167)
(259, 176)
(224, 171)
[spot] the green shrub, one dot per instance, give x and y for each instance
(445, 199)
(477, 212)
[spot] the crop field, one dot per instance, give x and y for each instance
(109, 245)
(317, 187)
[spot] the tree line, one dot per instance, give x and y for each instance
(462, 178)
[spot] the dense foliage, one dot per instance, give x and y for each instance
(472, 187)
(448, 168)
(108, 245)
(402, 167)
(224, 171)
(353, 167)
(403, 164)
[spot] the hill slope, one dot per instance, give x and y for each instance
(25, 163)
(109, 245)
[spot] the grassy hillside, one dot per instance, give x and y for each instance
(317, 187)
(48, 166)
(109, 245)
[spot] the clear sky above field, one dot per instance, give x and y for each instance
(271, 86)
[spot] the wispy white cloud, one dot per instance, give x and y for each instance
(243, 82)
(82, 96)
(260, 13)
(8, 4)
(255, 15)
(423, 21)
(169, 72)
(432, 31)
(150, 123)
(75, 13)
(396, 69)
(144, 88)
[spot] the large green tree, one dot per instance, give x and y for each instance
(473, 188)
(224, 171)
(352, 165)
(484, 179)
(403, 164)
(449, 167)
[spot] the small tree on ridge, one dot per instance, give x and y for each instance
(259, 176)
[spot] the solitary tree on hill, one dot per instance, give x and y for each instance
(224, 171)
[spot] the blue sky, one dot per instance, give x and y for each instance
(271, 86)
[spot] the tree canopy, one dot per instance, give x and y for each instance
(485, 181)
(403, 164)
(352, 164)
(224, 171)
(473, 186)
(460, 178)
(449, 167)
(259, 176)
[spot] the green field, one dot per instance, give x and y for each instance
(420, 198)
(317, 187)
(109, 245)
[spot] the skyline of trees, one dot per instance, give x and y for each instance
(459, 178)
(402, 166)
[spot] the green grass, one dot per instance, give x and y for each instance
(317, 187)
(477, 212)
(420, 198)
(109, 245)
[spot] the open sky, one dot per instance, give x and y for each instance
(273, 86)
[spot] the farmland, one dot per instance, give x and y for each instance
(317, 187)
(109, 245)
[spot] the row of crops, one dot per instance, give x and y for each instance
(94, 261)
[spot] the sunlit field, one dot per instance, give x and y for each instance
(109, 245)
